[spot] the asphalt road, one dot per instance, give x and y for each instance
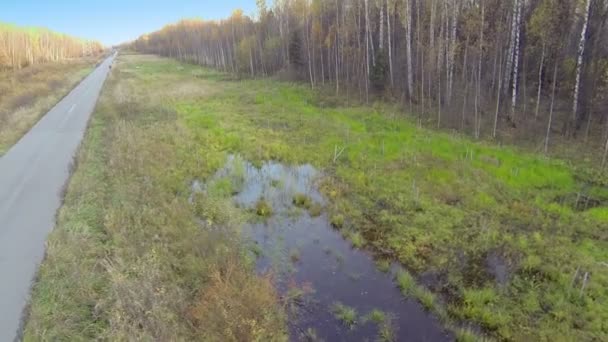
(32, 176)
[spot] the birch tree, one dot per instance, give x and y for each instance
(347, 42)
(407, 25)
(579, 66)
(21, 47)
(389, 5)
(515, 77)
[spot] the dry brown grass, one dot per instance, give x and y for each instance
(27, 94)
(240, 305)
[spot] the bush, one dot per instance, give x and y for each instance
(337, 221)
(263, 208)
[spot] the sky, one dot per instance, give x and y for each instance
(114, 21)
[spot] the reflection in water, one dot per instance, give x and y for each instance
(314, 267)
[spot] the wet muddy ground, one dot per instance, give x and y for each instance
(314, 268)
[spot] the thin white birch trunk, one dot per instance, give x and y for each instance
(509, 70)
(408, 46)
(516, 60)
(551, 109)
(390, 48)
(540, 81)
(579, 63)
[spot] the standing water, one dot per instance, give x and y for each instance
(330, 287)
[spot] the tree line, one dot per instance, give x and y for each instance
(21, 47)
(487, 67)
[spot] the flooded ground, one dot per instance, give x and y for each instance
(320, 275)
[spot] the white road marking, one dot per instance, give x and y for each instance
(67, 116)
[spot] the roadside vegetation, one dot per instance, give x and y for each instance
(27, 94)
(510, 243)
(131, 258)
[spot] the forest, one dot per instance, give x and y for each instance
(518, 70)
(24, 46)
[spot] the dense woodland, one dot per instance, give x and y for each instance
(21, 47)
(526, 68)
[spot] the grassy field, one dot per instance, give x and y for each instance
(127, 259)
(27, 94)
(510, 243)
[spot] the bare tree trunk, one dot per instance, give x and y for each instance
(494, 70)
(452, 52)
(307, 36)
(381, 38)
(422, 80)
(314, 58)
(540, 81)
(524, 83)
(366, 51)
(390, 48)
(478, 90)
(440, 46)
(337, 49)
(605, 155)
(498, 93)
(371, 37)
(429, 82)
(516, 60)
(509, 67)
(551, 108)
(588, 126)
(446, 43)
(251, 63)
(579, 67)
(464, 61)
(408, 46)
(464, 101)
(419, 47)
(439, 102)
(323, 65)
(432, 27)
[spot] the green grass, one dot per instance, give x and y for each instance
(386, 331)
(302, 201)
(466, 335)
(437, 201)
(406, 282)
(337, 220)
(315, 210)
(426, 298)
(345, 314)
(263, 208)
(383, 265)
(376, 316)
(357, 239)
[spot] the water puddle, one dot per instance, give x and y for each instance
(319, 273)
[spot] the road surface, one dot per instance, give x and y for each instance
(32, 176)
